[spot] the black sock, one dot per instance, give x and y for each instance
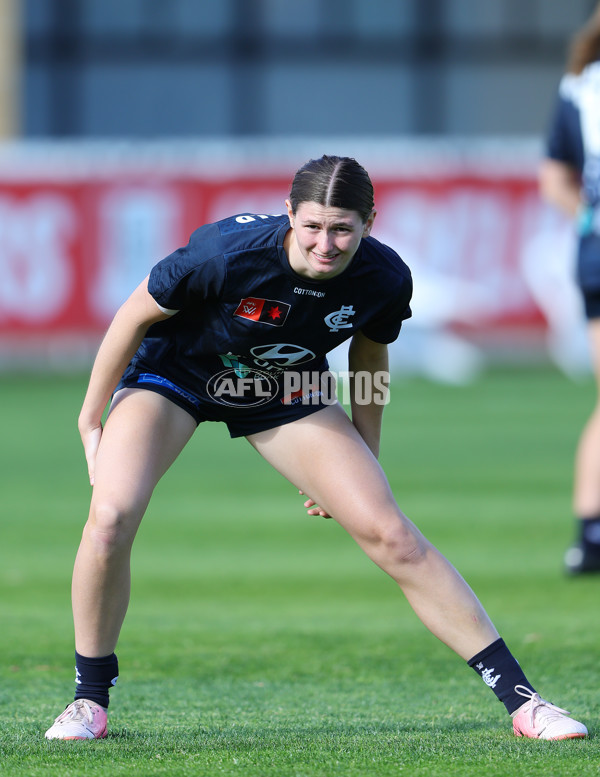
(498, 668)
(589, 533)
(94, 676)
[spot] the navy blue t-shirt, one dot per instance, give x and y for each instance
(574, 136)
(574, 139)
(242, 307)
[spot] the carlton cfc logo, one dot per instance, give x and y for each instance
(339, 318)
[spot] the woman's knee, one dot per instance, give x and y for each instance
(111, 528)
(399, 543)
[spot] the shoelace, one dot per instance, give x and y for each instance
(77, 709)
(544, 709)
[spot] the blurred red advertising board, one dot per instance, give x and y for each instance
(71, 250)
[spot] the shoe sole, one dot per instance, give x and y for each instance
(553, 739)
(78, 739)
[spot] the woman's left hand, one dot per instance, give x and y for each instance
(312, 508)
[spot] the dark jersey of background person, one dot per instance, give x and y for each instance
(574, 139)
(574, 136)
(243, 309)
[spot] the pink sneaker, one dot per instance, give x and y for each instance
(538, 719)
(82, 719)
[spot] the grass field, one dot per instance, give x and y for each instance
(262, 642)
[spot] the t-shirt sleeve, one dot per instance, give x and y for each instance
(385, 326)
(190, 274)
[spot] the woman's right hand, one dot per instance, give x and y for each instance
(90, 437)
(120, 343)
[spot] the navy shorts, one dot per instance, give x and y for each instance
(241, 421)
(588, 274)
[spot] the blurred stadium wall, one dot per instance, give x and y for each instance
(127, 124)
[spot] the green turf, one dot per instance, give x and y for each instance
(263, 642)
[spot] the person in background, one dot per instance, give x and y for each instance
(569, 178)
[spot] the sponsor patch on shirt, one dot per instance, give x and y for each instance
(266, 311)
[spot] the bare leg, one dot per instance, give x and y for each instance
(586, 496)
(326, 458)
(144, 434)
